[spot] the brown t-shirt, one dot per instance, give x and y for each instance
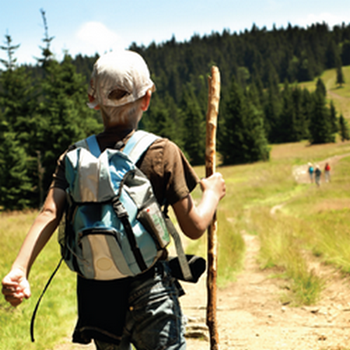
(171, 176)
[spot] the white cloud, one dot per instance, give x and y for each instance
(328, 18)
(96, 37)
(90, 38)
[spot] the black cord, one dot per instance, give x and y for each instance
(39, 300)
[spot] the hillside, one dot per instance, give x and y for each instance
(339, 95)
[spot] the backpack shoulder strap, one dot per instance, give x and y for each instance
(93, 146)
(138, 144)
(135, 147)
(90, 144)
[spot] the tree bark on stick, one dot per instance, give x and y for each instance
(210, 164)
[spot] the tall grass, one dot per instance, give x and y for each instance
(288, 235)
(330, 218)
(56, 316)
(303, 225)
(283, 251)
(310, 220)
(231, 246)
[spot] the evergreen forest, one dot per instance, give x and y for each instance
(43, 106)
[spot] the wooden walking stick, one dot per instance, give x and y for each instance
(210, 164)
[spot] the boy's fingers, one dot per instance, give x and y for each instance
(8, 290)
(9, 287)
(27, 293)
(8, 281)
(14, 300)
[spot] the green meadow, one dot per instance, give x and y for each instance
(311, 222)
(56, 314)
(310, 225)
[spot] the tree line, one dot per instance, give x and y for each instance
(43, 106)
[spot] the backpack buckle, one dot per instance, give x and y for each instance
(119, 209)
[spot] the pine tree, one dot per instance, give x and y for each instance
(164, 119)
(10, 49)
(17, 95)
(45, 50)
(15, 185)
(344, 130)
(333, 118)
(340, 76)
(321, 87)
(194, 127)
(272, 108)
(345, 55)
(320, 127)
(301, 124)
(287, 127)
(332, 54)
(306, 110)
(256, 140)
(63, 115)
(17, 108)
(241, 131)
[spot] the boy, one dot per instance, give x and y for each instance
(143, 310)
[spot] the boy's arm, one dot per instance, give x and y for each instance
(194, 220)
(15, 285)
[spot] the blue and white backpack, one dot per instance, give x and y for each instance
(114, 227)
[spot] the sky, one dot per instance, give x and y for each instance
(87, 27)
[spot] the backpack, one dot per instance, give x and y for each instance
(114, 227)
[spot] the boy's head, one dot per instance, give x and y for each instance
(119, 80)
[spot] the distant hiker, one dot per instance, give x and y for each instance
(143, 310)
(327, 172)
(318, 175)
(311, 172)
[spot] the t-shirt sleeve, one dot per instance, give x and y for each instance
(171, 175)
(181, 177)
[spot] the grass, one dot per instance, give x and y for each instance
(311, 222)
(57, 311)
(307, 223)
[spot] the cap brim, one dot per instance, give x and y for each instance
(92, 104)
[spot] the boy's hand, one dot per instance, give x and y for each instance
(215, 183)
(15, 287)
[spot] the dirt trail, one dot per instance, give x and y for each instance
(300, 172)
(250, 314)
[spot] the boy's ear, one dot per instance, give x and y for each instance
(91, 100)
(146, 100)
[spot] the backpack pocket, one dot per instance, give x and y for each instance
(99, 255)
